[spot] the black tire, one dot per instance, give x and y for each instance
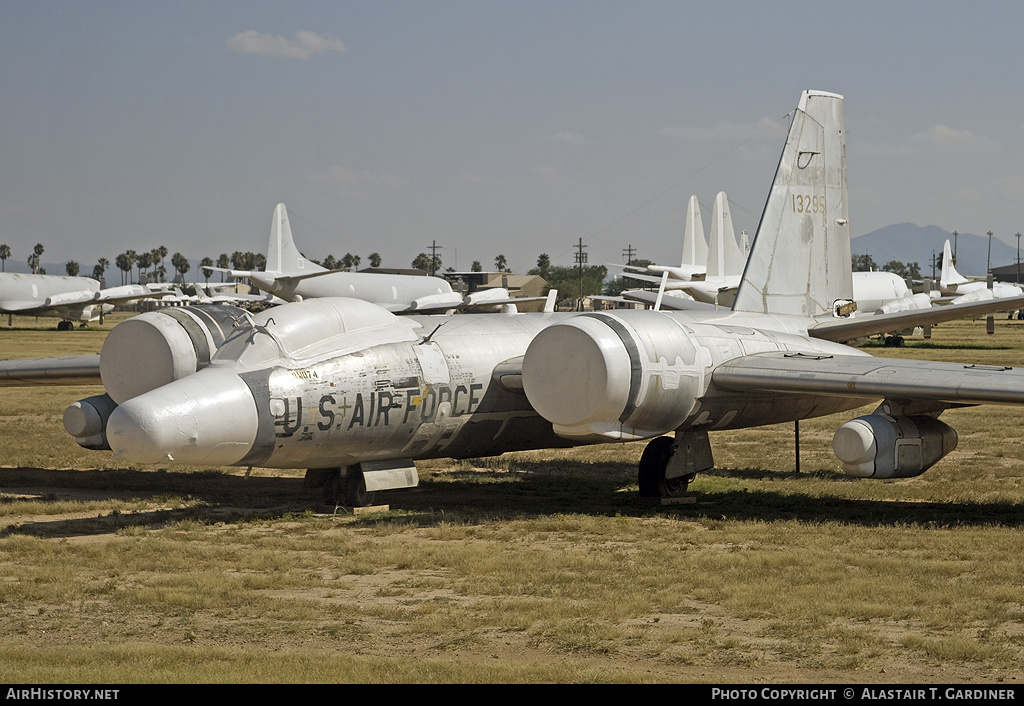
(651, 475)
(356, 494)
(332, 486)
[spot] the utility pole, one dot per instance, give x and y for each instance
(955, 234)
(1018, 257)
(628, 253)
(434, 247)
(581, 259)
(988, 268)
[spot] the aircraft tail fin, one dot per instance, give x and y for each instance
(283, 258)
(724, 255)
(949, 277)
(799, 262)
(695, 248)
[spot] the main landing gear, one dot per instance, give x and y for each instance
(669, 464)
(348, 490)
(894, 341)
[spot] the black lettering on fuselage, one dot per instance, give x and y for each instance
(327, 414)
(428, 410)
(357, 412)
(381, 409)
(286, 426)
(444, 395)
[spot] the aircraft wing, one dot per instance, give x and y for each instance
(22, 307)
(899, 380)
(669, 284)
(841, 330)
(668, 302)
(69, 370)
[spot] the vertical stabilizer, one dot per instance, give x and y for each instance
(724, 256)
(799, 261)
(695, 248)
(949, 277)
(283, 258)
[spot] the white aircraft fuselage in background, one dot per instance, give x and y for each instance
(72, 299)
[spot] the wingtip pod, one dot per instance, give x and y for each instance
(799, 261)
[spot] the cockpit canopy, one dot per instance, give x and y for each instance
(312, 329)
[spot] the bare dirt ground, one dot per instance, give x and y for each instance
(721, 647)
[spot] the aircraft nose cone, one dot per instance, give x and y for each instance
(206, 418)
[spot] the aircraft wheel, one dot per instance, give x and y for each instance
(356, 494)
(332, 486)
(653, 464)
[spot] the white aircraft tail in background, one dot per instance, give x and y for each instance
(293, 277)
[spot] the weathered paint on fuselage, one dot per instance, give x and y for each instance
(439, 398)
(403, 400)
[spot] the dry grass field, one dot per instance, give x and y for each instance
(530, 567)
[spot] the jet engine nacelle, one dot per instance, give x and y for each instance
(152, 349)
(880, 446)
(86, 420)
(595, 375)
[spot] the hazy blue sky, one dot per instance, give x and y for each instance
(510, 127)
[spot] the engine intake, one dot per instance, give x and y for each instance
(880, 446)
(152, 349)
(596, 375)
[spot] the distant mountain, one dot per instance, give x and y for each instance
(907, 242)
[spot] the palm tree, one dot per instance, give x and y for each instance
(144, 260)
(500, 263)
(206, 262)
(162, 252)
(121, 262)
(423, 262)
(181, 265)
(5, 252)
(99, 269)
(130, 256)
(71, 268)
(33, 259)
(375, 259)
(223, 261)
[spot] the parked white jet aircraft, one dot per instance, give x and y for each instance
(292, 277)
(874, 292)
(352, 392)
(712, 280)
(72, 299)
(955, 285)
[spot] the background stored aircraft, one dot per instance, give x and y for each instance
(348, 390)
(72, 299)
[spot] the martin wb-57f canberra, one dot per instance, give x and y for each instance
(356, 394)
